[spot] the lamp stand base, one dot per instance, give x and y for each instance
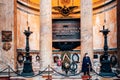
(107, 74)
(27, 69)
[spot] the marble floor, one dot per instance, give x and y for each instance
(39, 78)
(95, 77)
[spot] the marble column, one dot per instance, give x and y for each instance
(86, 28)
(8, 18)
(45, 33)
(118, 30)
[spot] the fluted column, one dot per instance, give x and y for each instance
(45, 33)
(86, 28)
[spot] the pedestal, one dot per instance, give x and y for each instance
(27, 70)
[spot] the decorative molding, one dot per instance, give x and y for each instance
(35, 7)
(101, 11)
(28, 12)
(28, 6)
(31, 51)
(104, 5)
(28, 3)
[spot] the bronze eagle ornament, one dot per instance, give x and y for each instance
(65, 11)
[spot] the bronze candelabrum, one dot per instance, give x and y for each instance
(27, 68)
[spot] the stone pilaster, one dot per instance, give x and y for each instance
(45, 33)
(118, 30)
(15, 33)
(86, 28)
(8, 23)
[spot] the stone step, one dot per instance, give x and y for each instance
(40, 78)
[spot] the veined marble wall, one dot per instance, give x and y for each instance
(23, 21)
(98, 22)
(34, 24)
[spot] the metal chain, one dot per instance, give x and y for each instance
(65, 74)
(30, 76)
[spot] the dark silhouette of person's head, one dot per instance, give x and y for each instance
(86, 54)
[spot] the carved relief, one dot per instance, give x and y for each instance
(6, 36)
(6, 46)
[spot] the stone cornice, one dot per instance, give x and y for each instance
(97, 6)
(29, 4)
